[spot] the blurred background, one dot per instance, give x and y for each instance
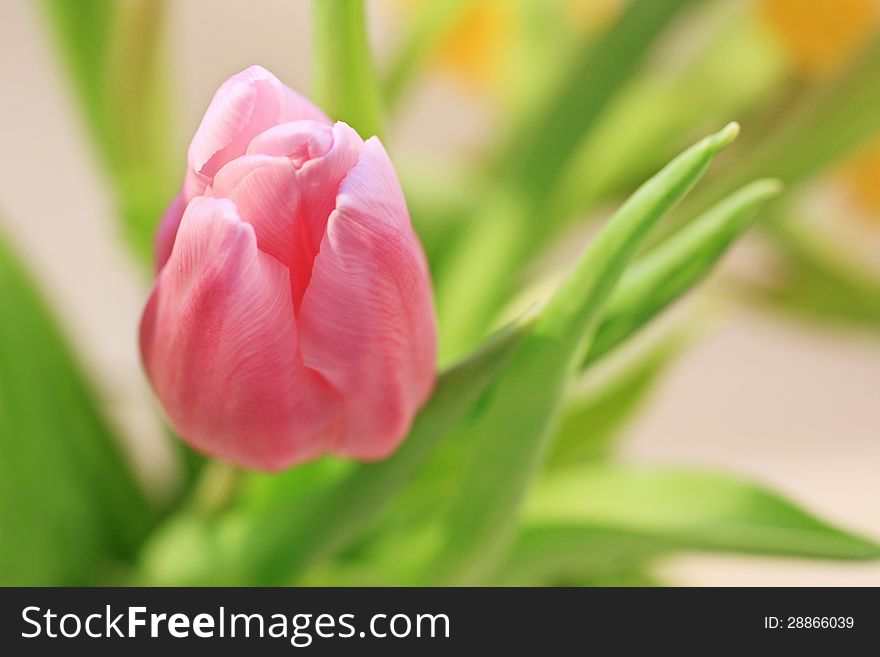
(788, 396)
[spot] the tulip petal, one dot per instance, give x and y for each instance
(320, 180)
(301, 141)
(167, 230)
(265, 192)
(366, 321)
(219, 343)
(244, 106)
(286, 188)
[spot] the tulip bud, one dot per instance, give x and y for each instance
(291, 315)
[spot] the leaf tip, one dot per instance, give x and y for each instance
(725, 136)
(767, 188)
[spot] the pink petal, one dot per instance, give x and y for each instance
(301, 141)
(167, 230)
(286, 188)
(219, 343)
(265, 192)
(367, 322)
(319, 180)
(244, 106)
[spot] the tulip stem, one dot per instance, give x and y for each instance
(216, 488)
(345, 78)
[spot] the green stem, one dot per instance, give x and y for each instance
(345, 79)
(426, 33)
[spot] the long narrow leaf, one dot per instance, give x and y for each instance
(331, 512)
(596, 415)
(733, 70)
(345, 80)
(829, 122)
(84, 32)
(540, 148)
(112, 51)
(426, 32)
(598, 517)
(817, 280)
(677, 265)
(509, 440)
(336, 515)
(69, 503)
(476, 280)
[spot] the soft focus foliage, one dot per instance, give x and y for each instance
(69, 504)
(511, 471)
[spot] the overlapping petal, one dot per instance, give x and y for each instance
(220, 346)
(366, 321)
(244, 106)
(292, 313)
(167, 230)
(286, 185)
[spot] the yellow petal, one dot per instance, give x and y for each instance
(820, 35)
(861, 176)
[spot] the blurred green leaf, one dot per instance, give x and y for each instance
(538, 151)
(345, 79)
(677, 265)
(827, 123)
(147, 175)
(831, 121)
(334, 516)
(509, 218)
(84, 32)
(324, 513)
(631, 575)
(818, 280)
(438, 199)
(603, 399)
(603, 516)
(595, 416)
(112, 51)
(647, 288)
(576, 550)
(69, 503)
(732, 69)
(426, 31)
(509, 439)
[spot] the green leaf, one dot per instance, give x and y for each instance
(602, 516)
(84, 31)
(818, 280)
(544, 552)
(345, 80)
(677, 265)
(336, 515)
(509, 439)
(69, 503)
(826, 124)
(112, 51)
(431, 24)
(510, 218)
(322, 514)
(735, 68)
(540, 149)
(146, 173)
(595, 415)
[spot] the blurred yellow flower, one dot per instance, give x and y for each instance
(820, 35)
(861, 176)
(475, 49)
(478, 51)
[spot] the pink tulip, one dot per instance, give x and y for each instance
(291, 315)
